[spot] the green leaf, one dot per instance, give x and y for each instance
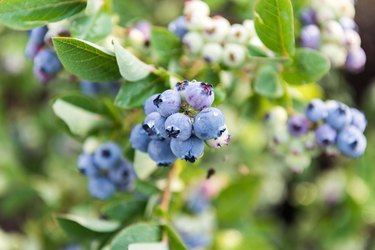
(131, 68)
(134, 94)
(256, 51)
(124, 210)
(82, 228)
(165, 44)
(139, 233)
(87, 60)
(174, 240)
(92, 28)
(268, 83)
(144, 166)
(274, 25)
(148, 246)
(80, 113)
(308, 66)
(28, 14)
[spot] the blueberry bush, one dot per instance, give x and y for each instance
(184, 125)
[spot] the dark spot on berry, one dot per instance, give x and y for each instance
(191, 159)
(210, 173)
(354, 144)
(164, 164)
(222, 131)
(148, 129)
(310, 106)
(82, 171)
(106, 153)
(296, 127)
(232, 57)
(267, 116)
(172, 132)
(341, 110)
(157, 101)
(206, 88)
(125, 174)
(325, 142)
(147, 43)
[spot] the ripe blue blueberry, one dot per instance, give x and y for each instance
(86, 165)
(310, 37)
(339, 115)
(298, 125)
(197, 202)
(46, 65)
(351, 142)
(220, 141)
(154, 126)
(356, 60)
(359, 119)
(200, 96)
(212, 52)
(168, 102)
(149, 105)
(209, 124)
(160, 152)
(123, 175)
(178, 27)
(36, 41)
(308, 16)
(107, 155)
(182, 86)
(139, 138)
(316, 110)
(178, 126)
(189, 150)
(101, 187)
(325, 135)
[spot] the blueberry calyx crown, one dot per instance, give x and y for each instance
(171, 132)
(206, 88)
(157, 101)
(182, 85)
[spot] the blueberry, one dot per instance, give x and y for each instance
(197, 202)
(101, 187)
(298, 125)
(123, 175)
(178, 27)
(212, 52)
(90, 88)
(216, 29)
(86, 165)
(310, 37)
(178, 126)
(325, 135)
(339, 115)
(351, 142)
(182, 86)
(352, 39)
(333, 32)
(145, 28)
(139, 138)
(359, 119)
(316, 110)
(153, 125)
(149, 105)
(46, 65)
(189, 150)
(107, 155)
(356, 60)
(336, 53)
(160, 152)
(297, 163)
(238, 34)
(36, 41)
(200, 96)
(234, 55)
(196, 240)
(209, 124)
(308, 16)
(276, 116)
(196, 7)
(193, 41)
(168, 102)
(348, 23)
(220, 141)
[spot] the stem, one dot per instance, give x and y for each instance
(166, 197)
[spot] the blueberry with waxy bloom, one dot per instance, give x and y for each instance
(356, 60)
(325, 135)
(238, 34)
(310, 37)
(149, 105)
(358, 119)
(193, 41)
(107, 155)
(298, 125)
(36, 41)
(308, 16)
(178, 126)
(123, 175)
(348, 23)
(216, 29)
(200, 96)
(139, 138)
(178, 27)
(189, 150)
(101, 187)
(153, 125)
(316, 110)
(339, 115)
(351, 142)
(160, 152)
(220, 141)
(234, 55)
(212, 52)
(182, 86)
(86, 165)
(209, 124)
(168, 102)
(46, 65)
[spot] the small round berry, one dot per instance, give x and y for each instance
(339, 115)
(238, 34)
(197, 202)
(178, 126)
(310, 37)
(107, 155)
(220, 141)
(216, 29)
(160, 152)
(335, 53)
(168, 102)
(234, 55)
(250, 27)
(359, 119)
(46, 65)
(136, 38)
(86, 165)
(153, 125)
(193, 41)
(196, 22)
(333, 32)
(298, 163)
(325, 135)
(324, 14)
(196, 7)
(178, 27)
(212, 52)
(276, 116)
(344, 9)
(101, 187)
(296, 146)
(89, 88)
(209, 124)
(139, 138)
(298, 125)
(145, 28)
(182, 86)
(308, 16)
(36, 41)
(352, 39)
(189, 150)
(123, 175)
(351, 142)
(278, 135)
(356, 60)
(200, 96)
(348, 23)
(316, 110)
(149, 105)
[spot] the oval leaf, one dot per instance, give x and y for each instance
(87, 60)
(131, 68)
(268, 83)
(165, 45)
(22, 14)
(274, 25)
(174, 240)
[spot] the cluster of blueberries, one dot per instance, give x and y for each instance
(178, 122)
(213, 38)
(331, 127)
(107, 170)
(39, 48)
(328, 26)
